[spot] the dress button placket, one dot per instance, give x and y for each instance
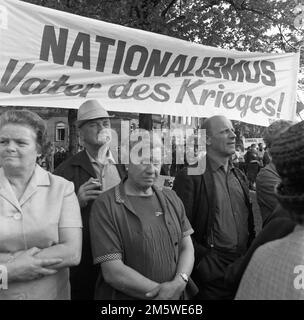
(17, 216)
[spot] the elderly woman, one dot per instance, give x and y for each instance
(141, 237)
(40, 220)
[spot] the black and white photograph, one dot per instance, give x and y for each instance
(152, 150)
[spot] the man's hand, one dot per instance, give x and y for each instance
(25, 266)
(171, 290)
(88, 191)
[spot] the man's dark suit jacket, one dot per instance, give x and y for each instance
(83, 277)
(198, 195)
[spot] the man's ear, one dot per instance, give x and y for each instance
(39, 150)
(208, 140)
(81, 137)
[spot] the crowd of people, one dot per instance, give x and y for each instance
(251, 162)
(98, 229)
(50, 159)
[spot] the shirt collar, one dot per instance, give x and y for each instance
(120, 193)
(121, 197)
(216, 165)
(40, 177)
(106, 158)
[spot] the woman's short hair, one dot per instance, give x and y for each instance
(29, 119)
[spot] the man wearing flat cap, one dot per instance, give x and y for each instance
(92, 171)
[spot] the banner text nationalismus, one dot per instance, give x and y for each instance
(149, 63)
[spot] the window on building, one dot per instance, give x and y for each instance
(60, 131)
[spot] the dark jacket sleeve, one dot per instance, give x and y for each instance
(276, 229)
(59, 171)
(65, 170)
(251, 227)
(278, 212)
(74, 173)
(185, 187)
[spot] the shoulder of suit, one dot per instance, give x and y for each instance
(78, 158)
(184, 173)
(240, 173)
(107, 195)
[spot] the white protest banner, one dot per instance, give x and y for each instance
(247, 142)
(56, 59)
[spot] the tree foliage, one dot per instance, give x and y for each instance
(247, 25)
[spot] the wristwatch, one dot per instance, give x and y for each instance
(184, 276)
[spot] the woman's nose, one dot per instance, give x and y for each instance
(11, 146)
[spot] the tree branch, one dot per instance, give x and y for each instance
(163, 14)
(243, 7)
(284, 39)
(211, 4)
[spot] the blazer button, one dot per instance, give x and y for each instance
(17, 216)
